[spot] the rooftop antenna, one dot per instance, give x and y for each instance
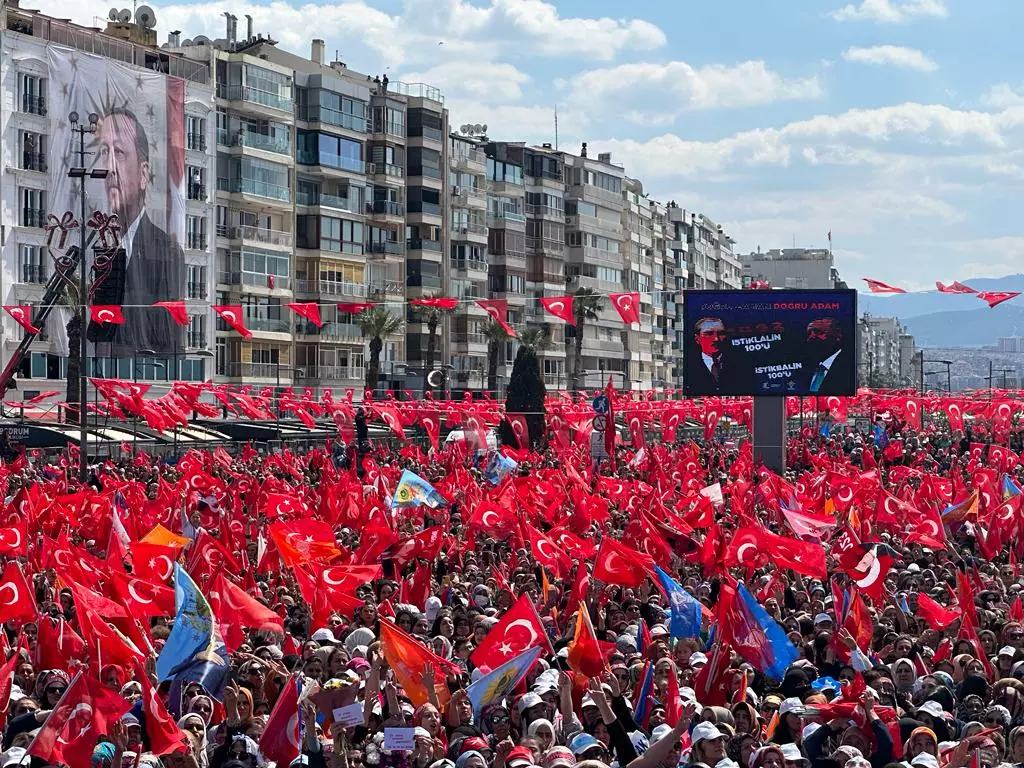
(556, 127)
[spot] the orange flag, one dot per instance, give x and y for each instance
(407, 658)
(165, 538)
(585, 654)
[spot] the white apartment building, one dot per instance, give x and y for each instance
(791, 268)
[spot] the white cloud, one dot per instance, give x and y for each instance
(891, 11)
(487, 82)
(893, 55)
(657, 93)
(1002, 96)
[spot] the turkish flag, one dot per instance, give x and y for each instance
(143, 598)
(618, 564)
(177, 309)
(22, 315)
(153, 562)
(937, 615)
(232, 315)
(431, 423)
(585, 654)
(87, 708)
(518, 630)
(280, 739)
(627, 305)
(877, 286)
(164, 734)
(547, 554)
(6, 683)
(354, 307)
(236, 610)
(994, 298)
(99, 604)
(444, 304)
(498, 310)
(17, 599)
(106, 313)
(954, 287)
(14, 540)
(561, 307)
(309, 310)
(58, 644)
(303, 541)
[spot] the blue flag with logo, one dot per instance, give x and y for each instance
(194, 651)
(497, 684)
(414, 491)
(758, 638)
(1010, 488)
(684, 609)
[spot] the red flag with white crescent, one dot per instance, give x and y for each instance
(560, 307)
(232, 315)
(627, 305)
(106, 314)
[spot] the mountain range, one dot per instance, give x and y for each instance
(953, 320)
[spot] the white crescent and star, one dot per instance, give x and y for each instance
(135, 595)
(15, 593)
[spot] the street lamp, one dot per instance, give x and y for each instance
(198, 353)
(135, 378)
(947, 363)
(80, 172)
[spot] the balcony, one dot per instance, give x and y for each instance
(385, 288)
(33, 161)
(196, 142)
(470, 197)
(385, 247)
(428, 209)
(335, 373)
(33, 105)
(33, 217)
(385, 208)
(469, 338)
(271, 371)
(469, 228)
(196, 290)
(390, 128)
(470, 159)
(426, 132)
(264, 236)
(195, 241)
(500, 217)
(267, 324)
(540, 211)
(469, 265)
(255, 280)
(336, 332)
(332, 287)
(584, 222)
(253, 140)
(254, 96)
(424, 281)
(33, 273)
(329, 160)
(544, 245)
(196, 341)
(197, 192)
(419, 244)
(320, 114)
(425, 171)
(385, 169)
(255, 188)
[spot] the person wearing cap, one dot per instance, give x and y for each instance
(792, 757)
(707, 744)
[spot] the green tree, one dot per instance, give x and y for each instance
(432, 316)
(377, 324)
(526, 389)
(586, 303)
(496, 337)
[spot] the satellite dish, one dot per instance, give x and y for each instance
(201, 40)
(187, 43)
(112, 15)
(145, 17)
(477, 127)
(484, 127)
(435, 378)
(464, 129)
(124, 15)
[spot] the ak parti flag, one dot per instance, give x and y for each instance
(408, 658)
(585, 654)
(87, 708)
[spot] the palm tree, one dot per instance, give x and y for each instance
(586, 303)
(432, 316)
(534, 339)
(377, 324)
(68, 298)
(526, 389)
(496, 336)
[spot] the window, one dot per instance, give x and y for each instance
(196, 178)
(506, 172)
(33, 151)
(266, 87)
(196, 281)
(506, 241)
(195, 132)
(340, 235)
(33, 93)
(319, 148)
(424, 200)
(389, 120)
(423, 122)
(574, 207)
(195, 337)
(257, 264)
(424, 162)
(609, 275)
(339, 110)
(33, 265)
(33, 207)
(195, 232)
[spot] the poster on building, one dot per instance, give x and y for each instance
(139, 139)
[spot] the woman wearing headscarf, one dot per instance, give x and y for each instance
(194, 727)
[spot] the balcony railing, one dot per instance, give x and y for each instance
(196, 341)
(544, 210)
(266, 236)
(33, 161)
(333, 373)
(33, 217)
(386, 208)
(195, 241)
(469, 228)
(33, 273)
(469, 338)
(390, 127)
(507, 216)
(254, 187)
(266, 324)
(431, 209)
(330, 160)
(197, 192)
(388, 246)
(386, 287)
(197, 290)
(434, 134)
(331, 287)
(197, 142)
(33, 105)
(318, 113)
(420, 244)
(254, 140)
(470, 196)
(257, 370)
(338, 332)
(466, 265)
(470, 157)
(254, 279)
(254, 95)
(385, 169)
(426, 171)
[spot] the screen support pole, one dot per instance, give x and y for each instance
(769, 433)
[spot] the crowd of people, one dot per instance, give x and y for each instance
(394, 606)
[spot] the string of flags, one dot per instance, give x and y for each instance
(992, 298)
(626, 304)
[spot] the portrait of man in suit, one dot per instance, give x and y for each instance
(829, 359)
(708, 370)
(153, 266)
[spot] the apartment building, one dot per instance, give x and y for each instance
(791, 268)
(40, 57)
(886, 352)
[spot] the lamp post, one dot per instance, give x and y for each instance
(135, 378)
(947, 363)
(205, 353)
(79, 172)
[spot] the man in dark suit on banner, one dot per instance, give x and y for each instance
(829, 368)
(153, 267)
(707, 366)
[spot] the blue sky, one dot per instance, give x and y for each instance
(893, 123)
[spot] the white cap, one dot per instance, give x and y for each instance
(790, 705)
(1008, 650)
(659, 630)
(932, 708)
(809, 729)
(925, 760)
(13, 756)
(698, 658)
(821, 618)
(324, 635)
(705, 732)
(660, 732)
(791, 754)
(529, 700)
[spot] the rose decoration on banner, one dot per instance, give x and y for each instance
(65, 224)
(105, 226)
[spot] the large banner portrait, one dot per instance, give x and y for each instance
(780, 342)
(139, 139)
